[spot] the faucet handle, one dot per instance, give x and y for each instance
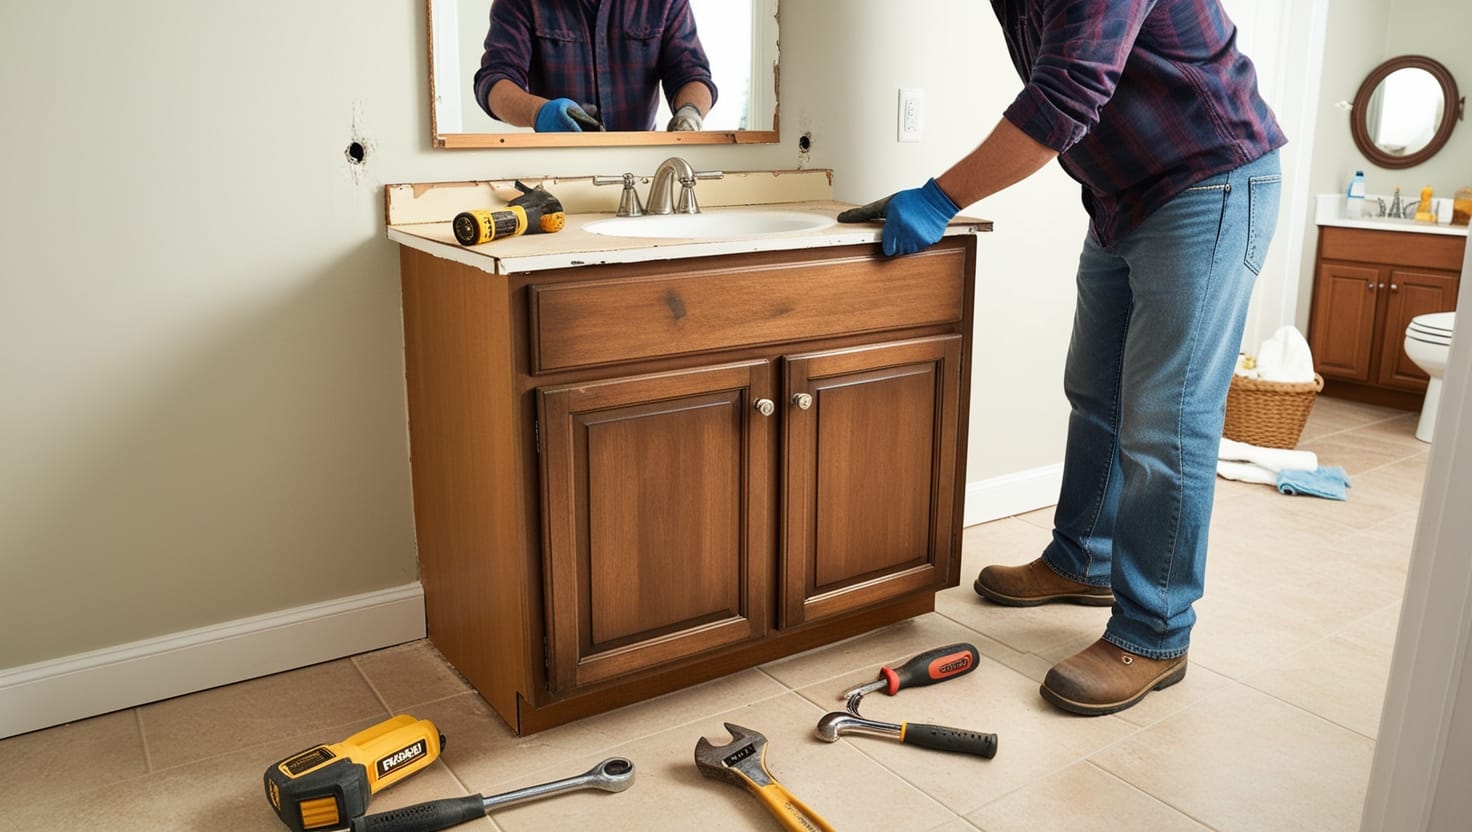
(687, 203)
(628, 202)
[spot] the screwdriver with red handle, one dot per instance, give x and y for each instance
(927, 668)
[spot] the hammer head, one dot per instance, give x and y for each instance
(740, 761)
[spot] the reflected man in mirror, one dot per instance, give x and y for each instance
(588, 65)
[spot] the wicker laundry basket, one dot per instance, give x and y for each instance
(1269, 414)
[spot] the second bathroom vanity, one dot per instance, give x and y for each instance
(642, 462)
(1372, 276)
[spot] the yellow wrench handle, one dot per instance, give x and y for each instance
(794, 814)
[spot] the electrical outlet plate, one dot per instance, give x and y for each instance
(911, 118)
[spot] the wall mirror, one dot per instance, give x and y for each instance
(1404, 111)
(739, 37)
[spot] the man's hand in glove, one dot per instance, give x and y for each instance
(913, 219)
(563, 115)
(686, 118)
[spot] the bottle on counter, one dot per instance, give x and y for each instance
(1354, 203)
(1425, 210)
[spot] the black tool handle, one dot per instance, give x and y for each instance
(932, 666)
(941, 738)
(424, 817)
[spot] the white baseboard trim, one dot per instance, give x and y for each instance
(1016, 493)
(87, 684)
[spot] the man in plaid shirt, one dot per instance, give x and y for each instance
(1149, 105)
(548, 63)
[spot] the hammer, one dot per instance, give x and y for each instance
(938, 737)
(743, 761)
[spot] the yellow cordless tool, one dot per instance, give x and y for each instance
(536, 211)
(326, 786)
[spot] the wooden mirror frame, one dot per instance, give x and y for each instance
(629, 138)
(1451, 112)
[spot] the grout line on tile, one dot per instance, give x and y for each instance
(859, 749)
(1155, 797)
(1320, 717)
(369, 682)
(143, 740)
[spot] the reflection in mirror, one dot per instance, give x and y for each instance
(1404, 111)
(739, 38)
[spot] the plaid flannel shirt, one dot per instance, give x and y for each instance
(551, 48)
(1142, 98)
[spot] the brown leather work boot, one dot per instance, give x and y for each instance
(1104, 678)
(1036, 583)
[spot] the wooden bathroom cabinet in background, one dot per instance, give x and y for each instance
(1368, 286)
(632, 478)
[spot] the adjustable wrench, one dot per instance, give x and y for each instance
(743, 761)
(612, 775)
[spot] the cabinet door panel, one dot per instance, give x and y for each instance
(1412, 293)
(869, 477)
(656, 510)
(1343, 329)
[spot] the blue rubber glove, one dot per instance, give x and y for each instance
(916, 219)
(563, 115)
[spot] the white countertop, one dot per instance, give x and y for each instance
(575, 246)
(1330, 211)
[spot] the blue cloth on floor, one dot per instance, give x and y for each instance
(1328, 481)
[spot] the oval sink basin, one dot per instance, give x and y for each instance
(713, 224)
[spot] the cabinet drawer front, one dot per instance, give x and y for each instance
(607, 321)
(1399, 248)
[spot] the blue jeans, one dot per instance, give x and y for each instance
(1156, 334)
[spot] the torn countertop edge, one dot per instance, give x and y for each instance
(575, 246)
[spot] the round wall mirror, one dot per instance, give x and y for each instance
(1404, 111)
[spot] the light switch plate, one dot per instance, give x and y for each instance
(911, 115)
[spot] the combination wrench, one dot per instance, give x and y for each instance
(612, 775)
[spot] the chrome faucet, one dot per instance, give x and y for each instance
(661, 190)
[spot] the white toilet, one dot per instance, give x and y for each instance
(1428, 340)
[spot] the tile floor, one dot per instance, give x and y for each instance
(1273, 728)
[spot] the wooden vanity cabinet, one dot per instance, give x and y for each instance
(1368, 287)
(632, 478)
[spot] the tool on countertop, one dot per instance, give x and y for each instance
(326, 785)
(612, 775)
(937, 737)
(929, 667)
(536, 211)
(869, 212)
(743, 761)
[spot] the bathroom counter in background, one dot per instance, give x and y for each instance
(1329, 211)
(1371, 278)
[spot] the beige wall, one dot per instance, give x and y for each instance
(201, 362)
(200, 346)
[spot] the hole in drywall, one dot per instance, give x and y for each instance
(805, 142)
(356, 153)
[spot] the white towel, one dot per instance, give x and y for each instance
(1245, 472)
(1285, 357)
(1272, 459)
